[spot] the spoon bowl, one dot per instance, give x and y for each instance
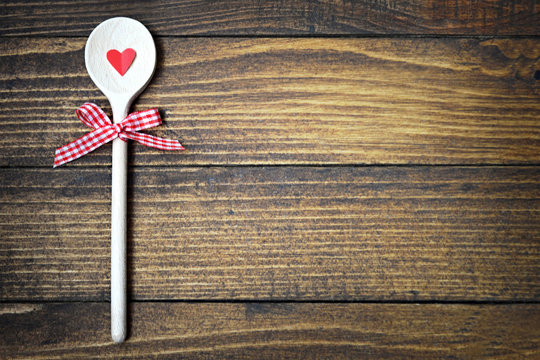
(119, 34)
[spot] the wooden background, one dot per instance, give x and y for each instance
(361, 180)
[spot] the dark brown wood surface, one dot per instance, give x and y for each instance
(268, 233)
(270, 331)
(277, 17)
(292, 101)
(361, 180)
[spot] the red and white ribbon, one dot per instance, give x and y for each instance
(105, 131)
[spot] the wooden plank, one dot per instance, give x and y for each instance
(269, 233)
(294, 17)
(273, 331)
(291, 101)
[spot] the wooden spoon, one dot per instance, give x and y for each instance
(106, 59)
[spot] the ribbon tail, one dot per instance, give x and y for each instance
(83, 145)
(153, 141)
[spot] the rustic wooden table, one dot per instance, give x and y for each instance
(362, 179)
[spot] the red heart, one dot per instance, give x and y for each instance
(121, 61)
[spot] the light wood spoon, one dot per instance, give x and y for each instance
(120, 34)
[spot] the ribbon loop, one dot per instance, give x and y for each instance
(141, 120)
(105, 131)
(92, 116)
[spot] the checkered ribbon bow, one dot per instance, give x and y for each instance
(105, 131)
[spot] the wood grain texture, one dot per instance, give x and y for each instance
(304, 233)
(277, 17)
(273, 331)
(291, 101)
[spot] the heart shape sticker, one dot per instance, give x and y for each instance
(121, 61)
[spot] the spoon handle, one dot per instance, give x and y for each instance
(118, 231)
